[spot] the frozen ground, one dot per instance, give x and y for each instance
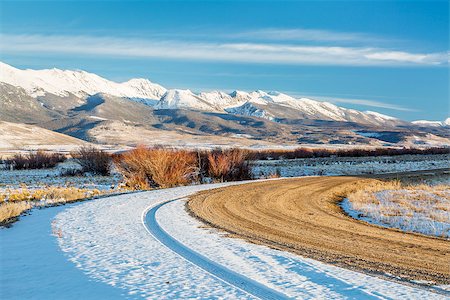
(350, 166)
(32, 266)
(107, 240)
(51, 177)
(421, 211)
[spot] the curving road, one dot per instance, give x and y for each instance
(107, 240)
(302, 215)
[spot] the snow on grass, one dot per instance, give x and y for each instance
(106, 239)
(349, 166)
(422, 209)
(35, 179)
(15, 202)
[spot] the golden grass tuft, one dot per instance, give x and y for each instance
(16, 201)
(49, 194)
(11, 210)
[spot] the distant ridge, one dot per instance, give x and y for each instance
(270, 105)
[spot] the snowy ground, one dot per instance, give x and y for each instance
(107, 240)
(32, 266)
(350, 166)
(421, 211)
(52, 177)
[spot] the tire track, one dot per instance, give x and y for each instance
(222, 273)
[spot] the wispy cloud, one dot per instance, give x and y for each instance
(300, 34)
(215, 51)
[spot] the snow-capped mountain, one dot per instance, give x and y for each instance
(95, 109)
(379, 116)
(250, 109)
(273, 106)
(79, 83)
(185, 99)
(221, 100)
(426, 123)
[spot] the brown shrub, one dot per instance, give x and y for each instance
(93, 160)
(145, 168)
(228, 165)
(34, 160)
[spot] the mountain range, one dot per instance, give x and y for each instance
(87, 106)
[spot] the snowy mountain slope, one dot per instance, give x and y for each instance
(379, 116)
(185, 99)
(250, 109)
(17, 106)
(221, 99)
(426, 123)
(80, 83)
(276, 106)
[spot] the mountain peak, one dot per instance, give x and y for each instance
(80, 83)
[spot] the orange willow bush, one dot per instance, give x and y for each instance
(145, 168)
(228, 165)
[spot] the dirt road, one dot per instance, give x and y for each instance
(303, 216)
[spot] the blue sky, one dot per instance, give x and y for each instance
(386, 56)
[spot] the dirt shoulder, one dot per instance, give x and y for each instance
(303, 216)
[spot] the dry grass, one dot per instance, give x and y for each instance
(276, 174)
(9, 211)
(417, 208)
(145, 168)
(50, 194)
(15, 202)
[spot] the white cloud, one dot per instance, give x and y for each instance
(209, 51)
(300, 34)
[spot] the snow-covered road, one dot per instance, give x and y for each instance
(107, 240)
(235, 279)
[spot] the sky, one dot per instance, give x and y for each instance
(386, 56)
